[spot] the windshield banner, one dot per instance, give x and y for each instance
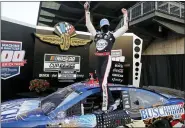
(175, 110)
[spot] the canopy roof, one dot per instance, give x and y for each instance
(51, 13)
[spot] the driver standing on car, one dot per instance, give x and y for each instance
(104, 41)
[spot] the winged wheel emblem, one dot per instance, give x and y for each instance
(65, 36)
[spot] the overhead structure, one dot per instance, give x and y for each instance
(161, 17)
(50, 13)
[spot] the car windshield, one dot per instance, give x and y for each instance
(53, 100)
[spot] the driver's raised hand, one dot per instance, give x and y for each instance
(86, 6)
(124, 11)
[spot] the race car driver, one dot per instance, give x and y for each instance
(104, 41)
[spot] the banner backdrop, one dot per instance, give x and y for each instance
(54, 64)
(22, 42)
(163, 71)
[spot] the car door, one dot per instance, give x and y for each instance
(141, 98)
(70, 113)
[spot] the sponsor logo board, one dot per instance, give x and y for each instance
(12, 58)
(65, 65)
(56, 62)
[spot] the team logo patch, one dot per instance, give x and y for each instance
(12, 58)
(105, 37)
(101, 44)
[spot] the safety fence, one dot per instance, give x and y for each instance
(140, 9)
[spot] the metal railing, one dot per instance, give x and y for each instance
(140, 9)
(143, 8)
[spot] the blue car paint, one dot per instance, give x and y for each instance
(31, 121)
(11, 109)
(74, 101)
(37, 118)
(88, 120)
(173, 101)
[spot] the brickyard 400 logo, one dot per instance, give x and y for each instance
(12, 58)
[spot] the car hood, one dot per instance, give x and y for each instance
(12, 110)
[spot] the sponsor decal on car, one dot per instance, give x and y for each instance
(10, 110)
(175, 110)
(75, 121)
(17, 109)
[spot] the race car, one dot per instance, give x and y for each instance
(76, 106)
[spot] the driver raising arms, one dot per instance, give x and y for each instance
(104, 41)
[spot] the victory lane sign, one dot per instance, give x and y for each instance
(56, 62)
(66, 65)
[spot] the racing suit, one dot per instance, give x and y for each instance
(104, 43)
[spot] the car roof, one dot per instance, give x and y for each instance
(82, 87)
(85, 86)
